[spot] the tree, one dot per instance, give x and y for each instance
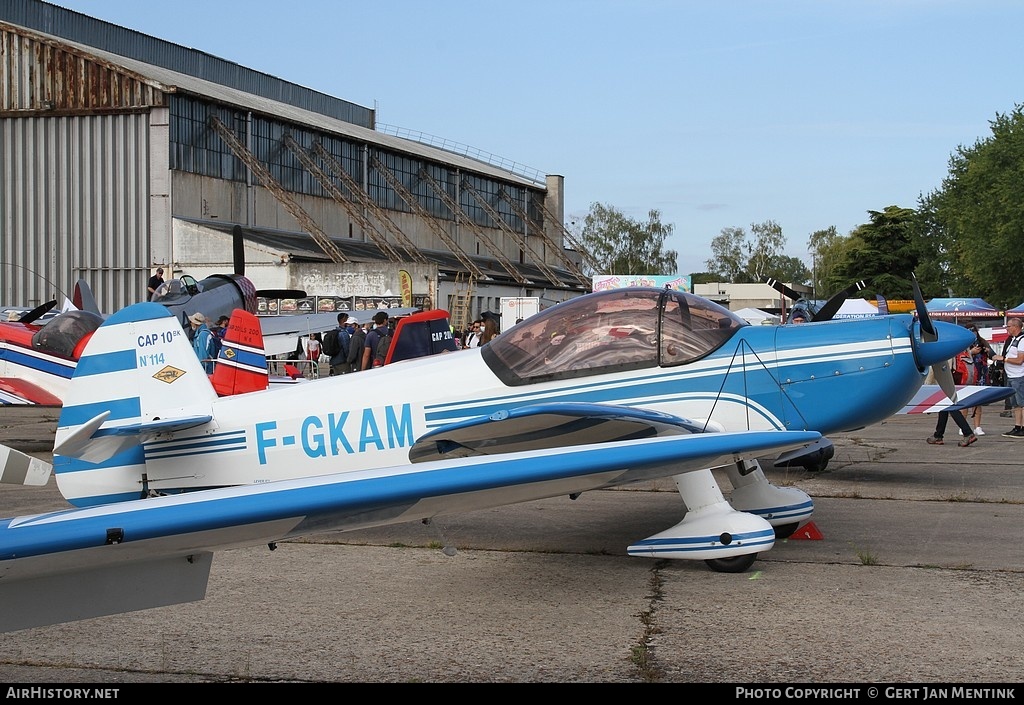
(789, 269)
(624, 246)
(975, 221)
(826, 247)
(728, 260)
(883, 253)
(737, 260)
(765, 251)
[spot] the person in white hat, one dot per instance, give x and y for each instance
(202, 341)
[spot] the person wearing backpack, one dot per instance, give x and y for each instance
(380, 320)
(338, 347)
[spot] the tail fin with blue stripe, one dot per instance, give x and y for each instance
(138, 377)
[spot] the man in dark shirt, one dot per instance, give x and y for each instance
(154, 283)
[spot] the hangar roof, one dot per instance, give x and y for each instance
(171, 81)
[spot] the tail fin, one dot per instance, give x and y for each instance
(242, 364)
(423, 333)
(137, 377)
(83, 299)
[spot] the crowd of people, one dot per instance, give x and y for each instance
(981, 365)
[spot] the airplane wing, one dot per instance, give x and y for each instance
(931, 398)
(17, 391)
(281, 333)
(83, 563)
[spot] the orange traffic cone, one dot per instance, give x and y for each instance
(808, 532)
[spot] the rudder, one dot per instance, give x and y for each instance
(138, 368)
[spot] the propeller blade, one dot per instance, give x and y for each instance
(828, 311)
(927, 329)
(944, 378)
(37, 312)
(783, 289)
(238, 249)
(940, 370)
(281, 293)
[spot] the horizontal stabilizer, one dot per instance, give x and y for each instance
(17, 468)
(931, 399)
(546, 426)
(93, 443)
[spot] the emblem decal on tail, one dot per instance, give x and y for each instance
(169, 374)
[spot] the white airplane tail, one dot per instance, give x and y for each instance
(138, 377)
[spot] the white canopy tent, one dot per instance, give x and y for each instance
(856, 308)
(756, 317)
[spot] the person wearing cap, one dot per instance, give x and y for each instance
(798, 317)
(380, 320)
(155, 282)
(202, 341)
(355, 346)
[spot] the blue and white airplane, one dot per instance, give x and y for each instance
(607, 389)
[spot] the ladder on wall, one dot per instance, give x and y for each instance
(461, 301)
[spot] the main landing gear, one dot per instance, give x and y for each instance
(728, 537)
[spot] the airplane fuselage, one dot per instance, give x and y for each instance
(825, 377)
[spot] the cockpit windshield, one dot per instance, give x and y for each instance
(61, 335)
(609, 331)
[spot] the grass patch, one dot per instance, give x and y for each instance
(866, 557)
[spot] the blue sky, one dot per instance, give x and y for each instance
(715, 113)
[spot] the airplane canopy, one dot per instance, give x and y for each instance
(610, 331)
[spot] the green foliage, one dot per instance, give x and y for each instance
(883, 253)
(624, 246)
(741, 261)
(728, 260)
(827, 248)
(975, 221)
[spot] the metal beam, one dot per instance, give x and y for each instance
(457, 209)
(410, 199)
(352, 209)
(364, 198)
(583, 279)
(523, 243)
(256, 167)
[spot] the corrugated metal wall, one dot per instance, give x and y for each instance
(74, 204)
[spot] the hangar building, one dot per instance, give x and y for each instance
(121, 152)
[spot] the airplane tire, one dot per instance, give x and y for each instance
(736, 564)
(786, 530)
